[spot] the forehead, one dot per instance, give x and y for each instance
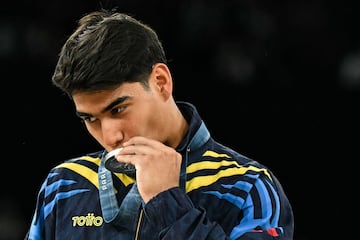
(95, 100)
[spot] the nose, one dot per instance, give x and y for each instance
(112, 135)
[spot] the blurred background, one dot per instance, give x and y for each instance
(277, 81)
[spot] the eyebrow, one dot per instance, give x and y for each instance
(108, 107)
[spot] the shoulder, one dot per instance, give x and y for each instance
(84, 171)
(219, 164)
(79, 170)
(89, 161)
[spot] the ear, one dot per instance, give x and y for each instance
(161, 80)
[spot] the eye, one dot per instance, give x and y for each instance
(88, 119)
(118, 109)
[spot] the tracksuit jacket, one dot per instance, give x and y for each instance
(222, 195)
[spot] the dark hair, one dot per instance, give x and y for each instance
(106, 50)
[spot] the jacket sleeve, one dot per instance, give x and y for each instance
(174, 214)
(36, 229)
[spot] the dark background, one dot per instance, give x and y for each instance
(278, 81)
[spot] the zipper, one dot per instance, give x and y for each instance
(137, 234)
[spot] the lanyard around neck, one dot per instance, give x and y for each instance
(124, 216)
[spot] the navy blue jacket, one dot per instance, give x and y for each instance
(222, 195)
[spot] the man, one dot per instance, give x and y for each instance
(183, 184)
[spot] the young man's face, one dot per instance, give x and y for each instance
(114, 116)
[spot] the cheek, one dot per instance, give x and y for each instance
(132, 128)
(153, 125)
(94, 131)
(143, 124)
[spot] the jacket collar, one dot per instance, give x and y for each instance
(194, 139)
(197, 133)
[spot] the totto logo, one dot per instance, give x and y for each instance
(89, 220)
